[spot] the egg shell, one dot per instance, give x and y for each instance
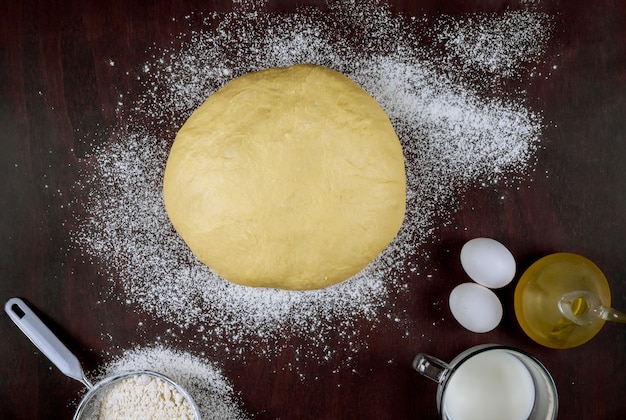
(475, 307)
(488, 262)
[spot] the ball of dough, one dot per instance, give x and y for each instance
(287, 178)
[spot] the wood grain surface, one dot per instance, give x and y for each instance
(58, 97)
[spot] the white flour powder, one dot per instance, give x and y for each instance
(434, 78)
(494, 45)
(144, 397)
(204, 382)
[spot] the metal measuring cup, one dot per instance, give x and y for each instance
(45, 340)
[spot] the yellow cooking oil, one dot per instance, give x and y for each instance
(538, 292)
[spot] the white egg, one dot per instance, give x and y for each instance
(488, 262)
(477, 308)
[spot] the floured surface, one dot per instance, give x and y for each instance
(452, 132)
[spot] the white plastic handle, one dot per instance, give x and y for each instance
(44, 339)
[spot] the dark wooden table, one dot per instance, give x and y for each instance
(58, 96)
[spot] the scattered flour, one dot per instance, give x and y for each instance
(204, 382)
(453, 130)
(499, 46)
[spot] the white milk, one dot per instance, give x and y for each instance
(492, 385)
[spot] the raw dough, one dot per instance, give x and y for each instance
(288, 178)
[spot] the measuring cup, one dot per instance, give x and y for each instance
(491, 382)
(62, 358)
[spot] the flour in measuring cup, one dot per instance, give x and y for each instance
(144, 397)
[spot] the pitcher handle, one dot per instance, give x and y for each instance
(431, 367)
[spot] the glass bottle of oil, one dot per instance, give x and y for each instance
(541, 287)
